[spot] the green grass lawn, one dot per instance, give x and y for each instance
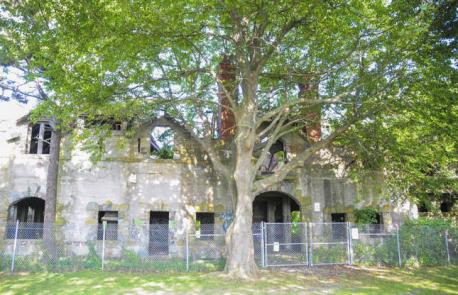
(329, 280)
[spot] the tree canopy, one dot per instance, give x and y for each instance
(380, 74)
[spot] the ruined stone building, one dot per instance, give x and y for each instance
(140, 183)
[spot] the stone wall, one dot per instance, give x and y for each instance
(132, 183)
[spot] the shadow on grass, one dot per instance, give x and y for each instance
(427, 280)
(342, 280)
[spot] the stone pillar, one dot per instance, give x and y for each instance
(270, 211)
(226, 91)
(286, 212)
(271, 228)
(286, 209)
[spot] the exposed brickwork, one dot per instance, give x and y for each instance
(309, 89)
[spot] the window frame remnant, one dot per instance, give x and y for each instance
(40, 138)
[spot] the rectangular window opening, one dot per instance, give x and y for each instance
(111, 230)
(377, 226)
(339, 228)
(34, 137)
(116, 126)
(159, 233)
(338, 217)
(46, 139)
(205, 223)
(40, 138)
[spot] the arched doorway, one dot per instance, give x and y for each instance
(30, 214)
(274, 206)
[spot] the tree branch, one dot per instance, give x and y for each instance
(299, 160)
(205, 145)
(270, 142)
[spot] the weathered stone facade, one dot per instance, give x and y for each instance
(128, 180)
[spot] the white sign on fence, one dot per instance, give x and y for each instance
(354, 233)
(316, 207)
(276, 246)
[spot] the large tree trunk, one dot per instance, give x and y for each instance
(51, 194)
(239, 239)
(51, 180)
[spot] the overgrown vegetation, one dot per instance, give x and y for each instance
(329, 254)
(163, 153)
(366, 215)
(382, 75)
(422, 242)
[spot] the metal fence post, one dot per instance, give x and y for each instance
(311, 244)
(350, 244)
(187, 249)
(15, 245)
(266, 263)
(306, 230)
(263, 263)
(104, 225)
(399, 246)
(446, 246)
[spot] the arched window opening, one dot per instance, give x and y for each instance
(162, 142)
(275, 159)
(30, 214)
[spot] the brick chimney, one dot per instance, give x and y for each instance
(309, 89)
(226, 88)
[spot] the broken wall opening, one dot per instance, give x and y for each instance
(162, 142)
(275, 159)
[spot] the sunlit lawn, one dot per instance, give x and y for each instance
(332, 280)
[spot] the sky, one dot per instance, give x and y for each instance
(12, 110)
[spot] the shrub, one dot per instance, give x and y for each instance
(422, 245)
(164, 153)
(329, 254)
(366, 215)
(92, 260)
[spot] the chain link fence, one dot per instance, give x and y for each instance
(329, 243)
(373, 244)
(285, 244)
(160, 247)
